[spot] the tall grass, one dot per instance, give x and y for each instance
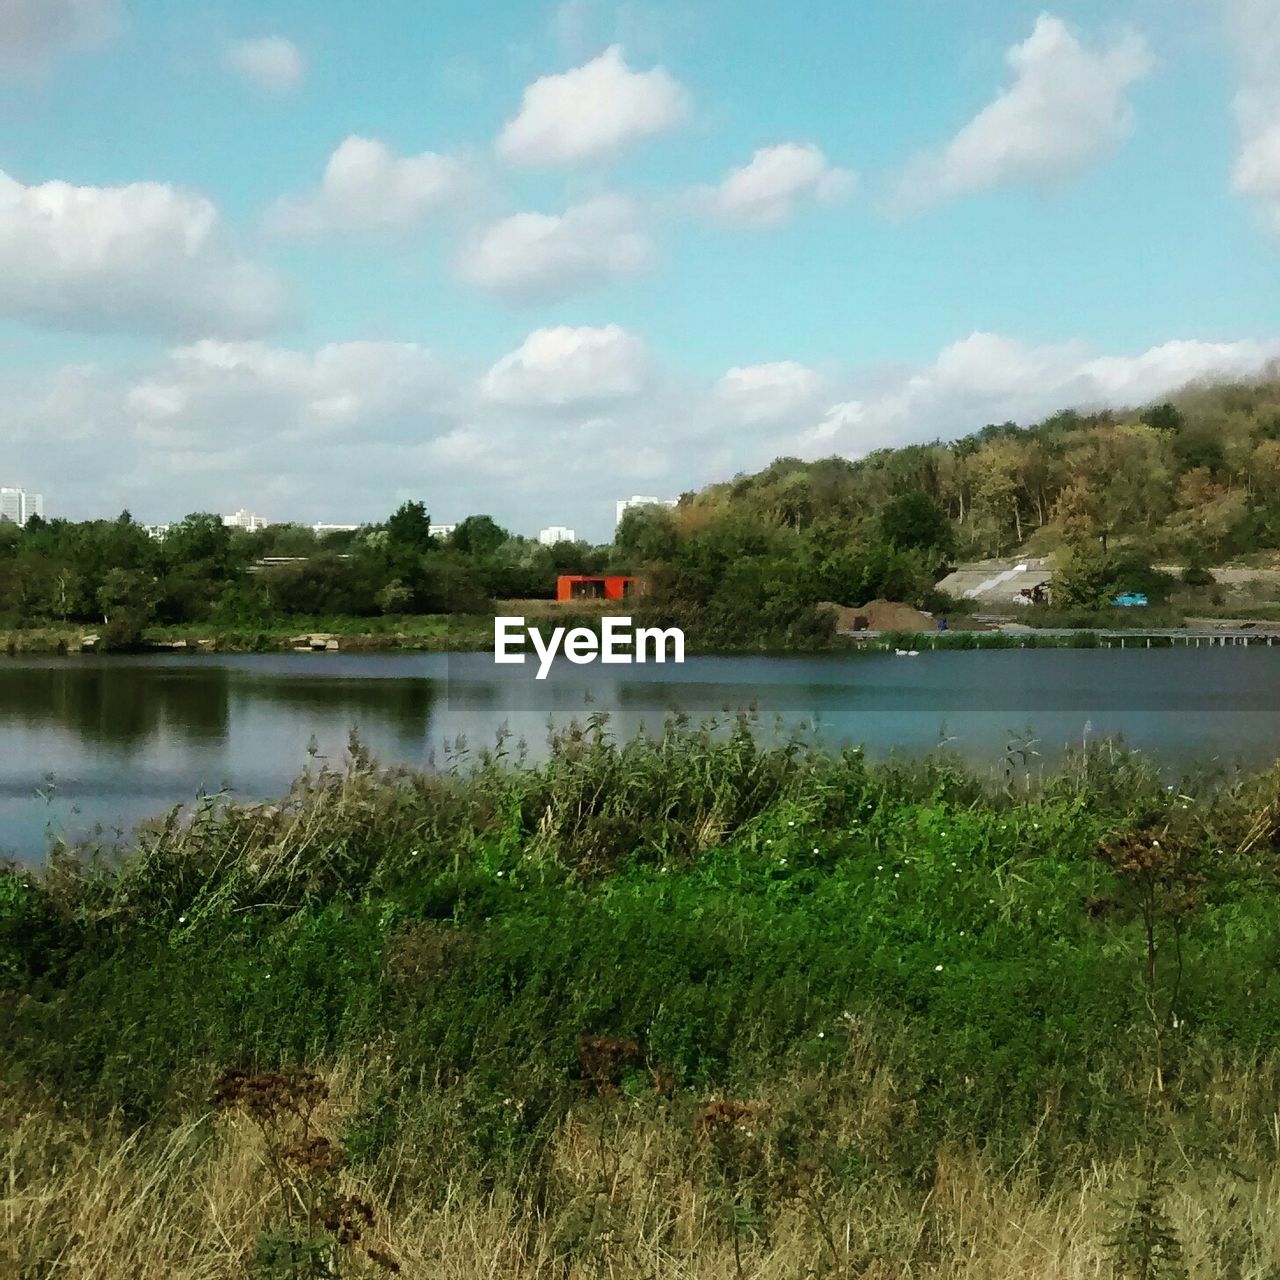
(680, 1005)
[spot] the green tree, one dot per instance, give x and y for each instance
(914, 521)
(478, 536)
(409, 528)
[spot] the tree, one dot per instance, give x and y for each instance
(202, 542)
(646, 534)
(914, 521)
(127, 599)
(1163, 417)
(125, 591)
(395, 597)
(478, 536)
(409, 528)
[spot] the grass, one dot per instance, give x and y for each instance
(680, 1006)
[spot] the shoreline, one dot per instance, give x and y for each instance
(473, 634)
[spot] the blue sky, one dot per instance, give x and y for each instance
(567, 252)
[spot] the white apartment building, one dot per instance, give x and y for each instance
(441, 530)
(625, 505)
(17, 506)
(556, 533)
(334, 528)
(246, 520)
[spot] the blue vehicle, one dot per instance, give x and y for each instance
(1130, 600)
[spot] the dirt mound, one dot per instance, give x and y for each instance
(879, 615)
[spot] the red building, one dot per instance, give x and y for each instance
(575, 586)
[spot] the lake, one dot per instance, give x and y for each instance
(99, 743)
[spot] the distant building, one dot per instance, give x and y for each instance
(556, 533)
(441, 530)
(17, 506)
(245, 520)
(625, 505)
(334, 528)
(157, 531)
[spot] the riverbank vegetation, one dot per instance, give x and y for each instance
(740, 565)
(687, 1005)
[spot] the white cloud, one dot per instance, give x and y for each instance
(145, 257)
(1256, 25)
(35, 32)
(592, 112)
(272, 63)
(766, 191)
(769, 392)
(989, 378)
(1067, 106)
(251, 390)
(367, 188)
(537, 257)
(564, 366)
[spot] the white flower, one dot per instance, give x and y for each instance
(791, 824)
(822, 1035)
(501, 874)
(182, 919)
(880, 867)
(815, 847)
(937, 968)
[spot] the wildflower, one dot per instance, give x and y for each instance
(182, 919)
(501, 874)
(880, 867)
(937, 968)
(897, 875)
(815, 847)
(822, 1035)
(791, 824)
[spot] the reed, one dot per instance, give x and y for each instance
(688, 1004)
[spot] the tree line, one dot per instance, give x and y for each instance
(115, 575)
(1195, 480)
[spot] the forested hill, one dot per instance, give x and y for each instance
(1193, 481)
(1199, 474)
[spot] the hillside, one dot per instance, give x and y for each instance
(1194, 482)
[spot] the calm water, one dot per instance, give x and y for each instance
(101, 743)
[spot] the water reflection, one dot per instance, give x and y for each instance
(128, 704)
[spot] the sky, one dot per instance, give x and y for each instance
(316, 258)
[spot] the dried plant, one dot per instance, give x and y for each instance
(322, 1226)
